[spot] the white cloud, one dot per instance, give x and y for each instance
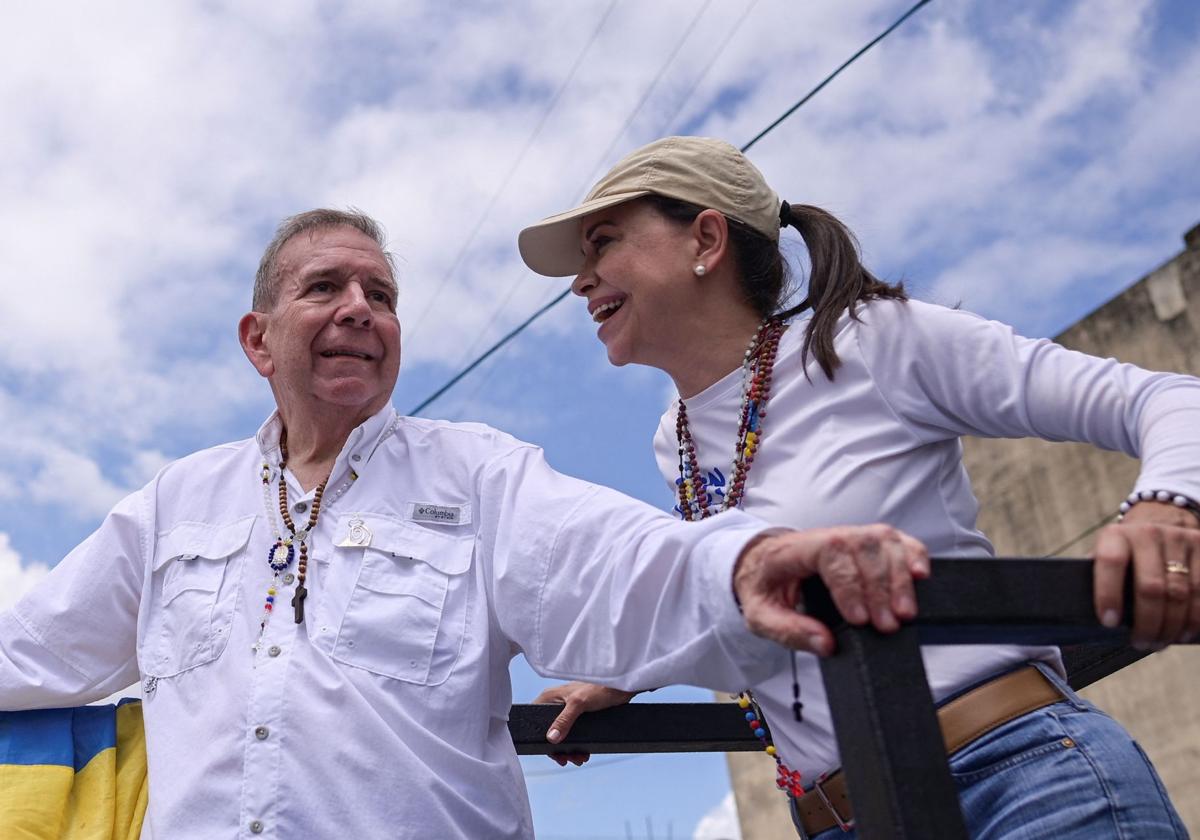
(998, 152)
(75, 482)
(721, 823)
(16, 578)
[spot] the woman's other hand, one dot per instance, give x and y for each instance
(1162, 542)
(869, 570)
(578, 697)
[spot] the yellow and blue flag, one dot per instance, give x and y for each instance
(73, 774)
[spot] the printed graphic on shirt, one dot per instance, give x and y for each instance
(441, 514)
(713, 483)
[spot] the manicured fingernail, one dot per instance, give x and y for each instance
(1111, 618)
(817, 643)
(554, 736)
(1141, 647)
(906, 605)
(858, 614)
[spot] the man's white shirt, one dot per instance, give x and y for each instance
(441, 551)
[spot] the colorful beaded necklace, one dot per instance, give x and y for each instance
(695, 503)
(283, 550)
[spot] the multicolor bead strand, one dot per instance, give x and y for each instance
(757, 366)
(279, 557)
(786, 779)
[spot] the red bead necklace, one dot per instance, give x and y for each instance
(695, 502)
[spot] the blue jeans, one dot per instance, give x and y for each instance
(1065, 771)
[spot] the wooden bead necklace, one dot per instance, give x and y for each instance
(758, 363)
(283, 550)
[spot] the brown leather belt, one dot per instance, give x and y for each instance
(962, 720)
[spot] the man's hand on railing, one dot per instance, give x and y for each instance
(869, 570)
(1163, 544)
(578, 697)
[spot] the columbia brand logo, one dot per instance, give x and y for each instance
(436, 513)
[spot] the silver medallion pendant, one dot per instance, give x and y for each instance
(281, 555)
(358, 536)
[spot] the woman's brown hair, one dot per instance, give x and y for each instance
(837, 279)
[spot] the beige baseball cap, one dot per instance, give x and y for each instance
(698, 170)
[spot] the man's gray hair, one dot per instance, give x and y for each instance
(266, 278)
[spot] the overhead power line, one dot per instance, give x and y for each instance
(482, 379)
(604, 157)
(454, 380)
(414, 328)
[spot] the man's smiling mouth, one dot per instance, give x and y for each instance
(354, 354)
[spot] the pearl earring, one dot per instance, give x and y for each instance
(699, 270)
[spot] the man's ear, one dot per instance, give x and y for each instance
(252, 332)
(710, 231)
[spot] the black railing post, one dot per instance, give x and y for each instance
(888, 736)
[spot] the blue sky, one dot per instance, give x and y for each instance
(1028, 159)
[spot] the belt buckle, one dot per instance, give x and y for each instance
(843, 824)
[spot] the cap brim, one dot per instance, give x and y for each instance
(552, 247)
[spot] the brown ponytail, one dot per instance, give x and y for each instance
(837, 280)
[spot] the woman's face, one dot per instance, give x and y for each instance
(636, 279)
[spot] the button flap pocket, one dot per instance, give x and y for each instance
(190, 540)
(194, 555)
(449, 553)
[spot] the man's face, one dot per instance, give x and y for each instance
(332, 338)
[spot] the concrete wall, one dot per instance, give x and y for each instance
(1039, 498)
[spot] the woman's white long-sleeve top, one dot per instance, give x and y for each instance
(441, 551)
(880, 443)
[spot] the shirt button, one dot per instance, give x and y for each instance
(301, 507)
(355, 457)
(273, 650)
(261, 733)
(256, 827)
(289, 577)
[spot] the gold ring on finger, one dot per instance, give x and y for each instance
(1174, 568)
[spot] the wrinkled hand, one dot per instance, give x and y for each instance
(579, 697)
(1163, 544)
(869, 570)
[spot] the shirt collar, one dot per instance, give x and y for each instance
(359, 447)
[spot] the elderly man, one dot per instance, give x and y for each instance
(322, 617)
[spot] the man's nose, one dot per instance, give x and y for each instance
(353, 308)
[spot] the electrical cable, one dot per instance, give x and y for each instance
(900, 20)
(1091, 529)
(482, 379)
(603, 158)
(462, 251)
(557, 299)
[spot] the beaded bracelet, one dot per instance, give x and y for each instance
(1164, 496)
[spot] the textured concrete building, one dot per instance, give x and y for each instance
(1040, 498)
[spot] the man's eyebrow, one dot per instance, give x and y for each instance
(319, 273)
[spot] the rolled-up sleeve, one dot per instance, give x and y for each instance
(591, 584)
(72, 638)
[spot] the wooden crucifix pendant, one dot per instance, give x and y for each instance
(298, 602)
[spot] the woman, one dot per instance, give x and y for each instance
(852, 413)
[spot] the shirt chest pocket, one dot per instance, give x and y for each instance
(406, 618)
(194, 592)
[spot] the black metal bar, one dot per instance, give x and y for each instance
(888, 736)
(882, 710)
(637, 728)
(1089, 663)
